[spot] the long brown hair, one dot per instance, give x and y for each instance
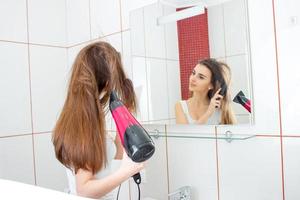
(221, 73)
(79, 136)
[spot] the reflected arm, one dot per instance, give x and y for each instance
(180, 117)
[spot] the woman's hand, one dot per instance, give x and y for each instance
(129, 167)
(215, 102)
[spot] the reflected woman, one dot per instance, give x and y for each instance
(210, 101)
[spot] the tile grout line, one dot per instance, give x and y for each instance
(167, 160)
(121, 27)
(146, 66)
(166, 64)
(64, 47)
(217, 160)
(90, 19)
(30, 94)
(111, 130)
(279, 100)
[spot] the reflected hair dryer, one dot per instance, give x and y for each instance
(241, 99)
(135, 139)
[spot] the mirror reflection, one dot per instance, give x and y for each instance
(191, 64)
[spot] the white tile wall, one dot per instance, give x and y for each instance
(72, 52)
(49, 78)
(264, 76)
(291, 150)
(174, 89)
(155, 176)
(243, 119)
(115, 40)
(154, 34)
(124, 191)
(239, 72)
(190, 129)
(128, 6)
(289, 74)
(235, 27)
(15, 92)
(16, 159)
(47, 22)
(140, 86)
(105, 17)
(171, 36)
(250, 169)
(126, 53)
(137, 32)
(157, 89)
(50, 173)
(216, 31)
(78, 21)
(192, 162)
(13, 20)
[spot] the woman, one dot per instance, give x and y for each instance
(210, 99)
(80, 140)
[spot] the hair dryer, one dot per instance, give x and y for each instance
(241, 99)
(135, 140)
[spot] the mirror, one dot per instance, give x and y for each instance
(167, 41)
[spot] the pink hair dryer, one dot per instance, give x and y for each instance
(135, 139)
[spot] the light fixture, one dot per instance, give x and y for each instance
(195, 7)
(181, 3)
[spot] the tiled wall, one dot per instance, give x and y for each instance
(155, 64)
(193, 46)
(266, 166)
(38, 41)
(229, 42)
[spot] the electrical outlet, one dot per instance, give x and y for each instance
(183, 193)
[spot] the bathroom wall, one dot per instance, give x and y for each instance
(266, 166)
(38, 41)
(155, 64)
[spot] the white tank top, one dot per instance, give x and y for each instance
(112, 166)
(213, 120)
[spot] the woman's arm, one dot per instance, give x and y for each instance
(180, 117)
(88, 186)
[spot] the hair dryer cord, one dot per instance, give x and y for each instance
(137, 179)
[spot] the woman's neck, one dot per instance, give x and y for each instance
(199, 100)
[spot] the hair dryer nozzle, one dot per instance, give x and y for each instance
(241, 99)
(138, 143)
(113, 96)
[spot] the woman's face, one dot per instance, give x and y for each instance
(200, 79)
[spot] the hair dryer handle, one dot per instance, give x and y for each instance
(137, 178)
